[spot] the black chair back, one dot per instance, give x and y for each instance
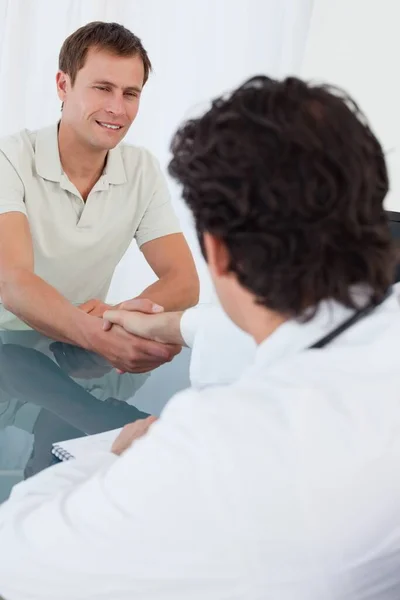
(394, 224)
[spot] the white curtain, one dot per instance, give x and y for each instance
(199, 48)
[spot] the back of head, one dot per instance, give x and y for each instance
(111, 37)
(291, 178)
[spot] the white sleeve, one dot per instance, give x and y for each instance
(139, 526)
(220, 350)
(191, 321)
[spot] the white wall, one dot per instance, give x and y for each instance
(199, 49)
(356, 44)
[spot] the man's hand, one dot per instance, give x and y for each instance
(133, 321)
(131, 353)
(130, 433)
(163, 328)
(95, 308)
(139, 306)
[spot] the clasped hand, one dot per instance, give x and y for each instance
(127, 343)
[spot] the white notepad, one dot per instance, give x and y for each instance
(85, 445)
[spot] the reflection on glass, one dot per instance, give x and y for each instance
(51, 391)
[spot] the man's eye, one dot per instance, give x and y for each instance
(100, 87)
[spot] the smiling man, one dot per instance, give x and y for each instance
(73, 198)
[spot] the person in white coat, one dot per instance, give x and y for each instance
(284, 484)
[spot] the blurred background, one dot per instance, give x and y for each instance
(200, 49)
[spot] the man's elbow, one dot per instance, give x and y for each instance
(9, 281)
(191, 289)
(179, 289)
(5, 294)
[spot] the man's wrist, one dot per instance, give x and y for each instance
(166, 328)
(91, 332)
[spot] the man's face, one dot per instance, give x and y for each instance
(104, 100)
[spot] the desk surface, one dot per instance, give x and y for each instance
(51, 391)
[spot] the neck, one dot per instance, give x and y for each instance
(259, 322)
(262, 326)
(79, 161)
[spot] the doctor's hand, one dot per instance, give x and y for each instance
(131, 316)
(97, 308)
(133, 321)
(152, 324)
(130, 433)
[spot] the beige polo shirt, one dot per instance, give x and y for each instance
(78, 244)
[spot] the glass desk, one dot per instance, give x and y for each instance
(51, 391)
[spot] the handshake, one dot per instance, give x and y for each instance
(135, 336)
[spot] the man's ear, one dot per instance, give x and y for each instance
(217, 255)
(63, 84)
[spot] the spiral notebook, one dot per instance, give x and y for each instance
(100, 442)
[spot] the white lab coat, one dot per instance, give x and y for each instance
(282, 486)
(220, 350)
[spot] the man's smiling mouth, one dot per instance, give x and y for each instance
(111, 126)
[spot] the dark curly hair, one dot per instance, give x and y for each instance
(290, 176)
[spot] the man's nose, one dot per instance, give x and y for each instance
(116, 105)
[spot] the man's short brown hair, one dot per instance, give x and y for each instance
(112, 37)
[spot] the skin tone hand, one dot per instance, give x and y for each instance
(131, 354)
(137, 305)
(161, 327)
(95, 307)
(131, 319)
(145, 309)
(130, 433)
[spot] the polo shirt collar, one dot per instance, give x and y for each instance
(47, 156)
(114, 171)
(48, 164)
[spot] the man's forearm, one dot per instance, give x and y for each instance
(166, 328)
(173, 292)
(44, 309)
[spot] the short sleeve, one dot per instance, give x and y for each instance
(160, 218)
(11, 188)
